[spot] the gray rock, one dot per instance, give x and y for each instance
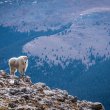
(25, 96)
(12, 105)
(14, 91)
(97, 106)
(72, 99)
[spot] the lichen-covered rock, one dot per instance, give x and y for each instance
(2, 73)
(20, 94)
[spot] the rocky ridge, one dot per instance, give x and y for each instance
(20, 94)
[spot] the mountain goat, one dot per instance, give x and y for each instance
(18, 63)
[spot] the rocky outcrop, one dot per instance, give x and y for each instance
(20, 94)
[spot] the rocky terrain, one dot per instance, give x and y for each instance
(20, 94)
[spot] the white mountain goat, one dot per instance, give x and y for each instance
(18, 63)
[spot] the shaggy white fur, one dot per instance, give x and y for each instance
(18, 63)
